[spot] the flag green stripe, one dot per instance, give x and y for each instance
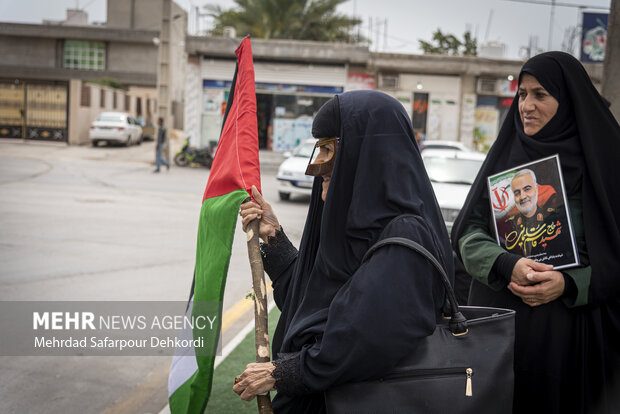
(216, 229)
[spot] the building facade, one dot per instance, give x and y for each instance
(447, 97)
(293, 80)
(44, 74)
(143, 47)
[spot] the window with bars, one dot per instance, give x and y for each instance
(85, 55)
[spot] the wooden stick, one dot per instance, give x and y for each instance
(261, 331)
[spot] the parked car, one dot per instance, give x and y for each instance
(447, 145)
(452, 172)
(292, 176)
(115, 127)
(149, 132)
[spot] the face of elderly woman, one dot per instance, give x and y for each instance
(326, 154)
(322, 161)
(536, 105)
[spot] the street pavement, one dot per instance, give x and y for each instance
(85, 224)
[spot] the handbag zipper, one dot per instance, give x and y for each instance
(469, 372)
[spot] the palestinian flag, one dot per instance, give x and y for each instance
(235, 169)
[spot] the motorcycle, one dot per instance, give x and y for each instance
(191, 155)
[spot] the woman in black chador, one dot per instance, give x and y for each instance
(568, 322)
(343, 321)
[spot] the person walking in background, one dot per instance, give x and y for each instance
(161, 141)
(567, 346)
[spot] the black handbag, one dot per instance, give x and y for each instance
(465, 366)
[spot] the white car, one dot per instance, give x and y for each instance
(444, 145)
(451, 173)
(292, 178)
(115, 127)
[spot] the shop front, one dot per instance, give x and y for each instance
(287, 97)
(433, 102)
(495, 95)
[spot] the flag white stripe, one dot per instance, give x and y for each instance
(184, 363)
(225, 352)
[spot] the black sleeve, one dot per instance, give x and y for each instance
(287, 373)
(375, 319)
(462, 281)
(504, 264)
(279, 257)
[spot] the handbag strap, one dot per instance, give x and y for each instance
(458, 322)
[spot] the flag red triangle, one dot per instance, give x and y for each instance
(236, 165)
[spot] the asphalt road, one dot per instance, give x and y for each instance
(85, 224)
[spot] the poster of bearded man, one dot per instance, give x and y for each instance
(531, 213)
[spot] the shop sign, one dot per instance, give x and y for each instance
(356, 80)
(486, 119)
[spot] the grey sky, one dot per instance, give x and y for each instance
(512, 23)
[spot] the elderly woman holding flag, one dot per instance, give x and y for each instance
(343, 320)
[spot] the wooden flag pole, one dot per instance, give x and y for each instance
(261, 330)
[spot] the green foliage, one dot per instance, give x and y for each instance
(111, 82)
(470, 45)
(286, 19)
(448, 44)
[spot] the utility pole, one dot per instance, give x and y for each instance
(486, 33)
(551, 15)
(163, 72)
(611, 65)
(385, 36)
(370, 34)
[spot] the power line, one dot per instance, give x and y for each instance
(368, 27)
(553, 4)
(576, 6)
(88, 4)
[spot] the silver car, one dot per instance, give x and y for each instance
(452, 172)
(292, 178)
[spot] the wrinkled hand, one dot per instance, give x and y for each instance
(548, 286)
(259, 209)
(255, 380)
(526, 267)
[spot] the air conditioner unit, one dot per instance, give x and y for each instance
(229, 32)
(388, 81)
(487, 86)
(496, 87)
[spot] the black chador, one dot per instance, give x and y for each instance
(567, 352)
(342, 321)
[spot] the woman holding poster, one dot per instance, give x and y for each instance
(567, 355)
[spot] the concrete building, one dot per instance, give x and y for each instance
(293, 80)
(46, 68)
(452, 98)
(144, 47)
(447, 97)
(170, 21)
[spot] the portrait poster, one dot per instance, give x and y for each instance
(594, 37)
(531, 214)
